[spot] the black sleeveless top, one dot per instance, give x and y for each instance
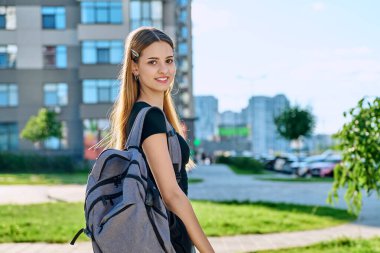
(155, 123)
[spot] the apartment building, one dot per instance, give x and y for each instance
(66, 55)
(261, 113)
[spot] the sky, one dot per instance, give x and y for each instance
(324, 55)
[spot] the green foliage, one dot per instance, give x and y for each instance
(58, 222)
(43, 126)
(242, 165)
(295, 122)
(359, 141)
(13, 163)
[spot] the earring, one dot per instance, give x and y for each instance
(136, 77)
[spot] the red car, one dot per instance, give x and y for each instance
(324, 168)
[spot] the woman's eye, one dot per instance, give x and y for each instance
(170, 61)
(152, 62)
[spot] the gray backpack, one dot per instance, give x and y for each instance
(123, 209)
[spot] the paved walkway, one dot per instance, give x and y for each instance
(244, 243)
(219, 184)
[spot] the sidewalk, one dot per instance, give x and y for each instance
(219, 184)
(243, 243)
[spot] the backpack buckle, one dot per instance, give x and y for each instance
(87, 232)
(171, 132)
(149, 199)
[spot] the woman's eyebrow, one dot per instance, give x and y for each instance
(156, 58)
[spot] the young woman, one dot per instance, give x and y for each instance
(147, 78)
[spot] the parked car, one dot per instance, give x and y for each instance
(320, 165)
(326, 167)
(281, 163)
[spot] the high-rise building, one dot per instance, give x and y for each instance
(261, 112)
(230, 118)
(206, 111)
(184, 77)
(67, 54)
(234, 132)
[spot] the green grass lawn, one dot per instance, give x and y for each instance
(195, 180)
(53, 178)
(43, 178)
(298, 179)
(58, 222)
(337, 246)
(231, 218)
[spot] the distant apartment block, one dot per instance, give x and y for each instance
(66, 55)
(261, 112)
(318, 143)
(206, 111)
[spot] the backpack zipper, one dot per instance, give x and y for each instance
(110, 179)
(104, 221)
(103, 197)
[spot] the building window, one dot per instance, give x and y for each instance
(183, 81)
(183, 3)
(100, 91)
(8, 56)
(53, 17)
(55, 94)
(55, 56)
(183, 16)
(7, 17)
(183, 65)
(94, 131)
(8, 136)
(182, 48)
(146, 13)
(184, 32)
(102, 52)
(57, 143)
(101, 12)
(8, 95)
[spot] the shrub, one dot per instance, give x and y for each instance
(243, 163)
(12, 163)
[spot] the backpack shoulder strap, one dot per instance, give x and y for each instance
(134, 138)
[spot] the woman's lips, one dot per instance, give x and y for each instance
(162, 79)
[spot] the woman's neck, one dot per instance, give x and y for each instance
(156, 101)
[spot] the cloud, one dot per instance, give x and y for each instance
(318, 6)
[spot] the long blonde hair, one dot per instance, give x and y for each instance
(137, 40)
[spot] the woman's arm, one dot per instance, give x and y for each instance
(156, 151)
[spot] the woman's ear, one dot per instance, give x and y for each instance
(135, 68)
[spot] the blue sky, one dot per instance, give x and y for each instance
(322, 54)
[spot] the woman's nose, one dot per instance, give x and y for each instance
(163, 69)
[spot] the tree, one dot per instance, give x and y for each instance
(41, 127)
(295, 122)
(359, 142)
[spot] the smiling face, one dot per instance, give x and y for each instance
(156, 68)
